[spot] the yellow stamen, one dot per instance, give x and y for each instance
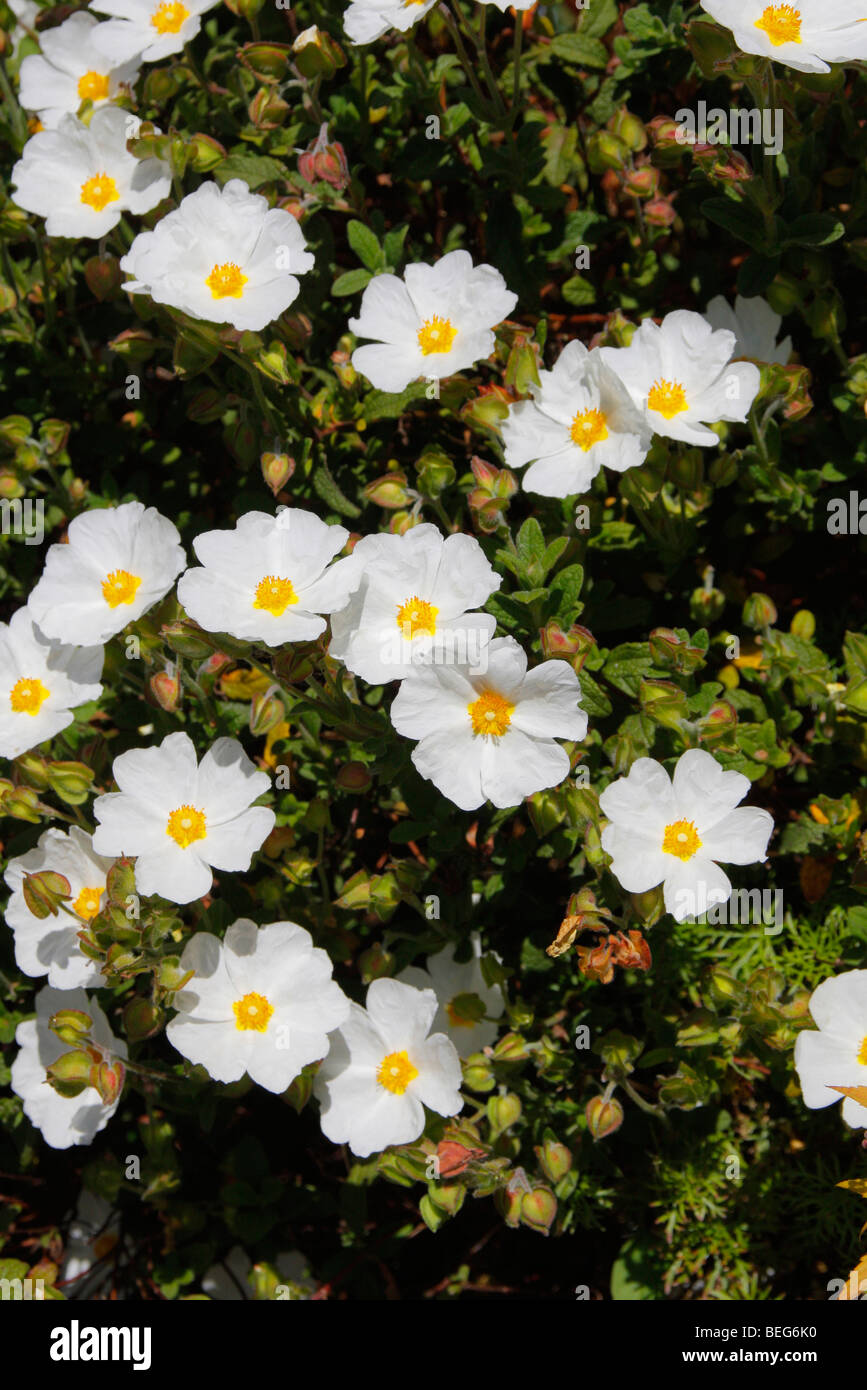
(681, 839)
(253, 1011)
(120, 587)
(93, 86)
(226, 281)
(666, 397)
(416, 615)
(185, 825)
(87, 903)
(168, 17)
(274, 594)
(588, 428)
(28, 695)
(490, 714)
(395, 1073)
(781, 23)
(100, 190)
(436, 335)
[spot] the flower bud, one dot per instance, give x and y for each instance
(267, 61)
(659, 212)
(503, 1112)
(604, 1117)
(246, 9)
(183, 638)
(648, 906)
(488, 409)
(325, 160)
(719, 722)
(555, 1159)
(630, 129)
(141, 1019)
(803, 624)
(103, 276)
(71, 1026)
(705, 605)
(44, 892)
(33, 770)
(71, 781)
(204, 153)
(664, 701)
(267, 710)
(317, 54)
(107, 1078)
(353, 777)
(390, 491)
(643, 182)
(70, 1073)
(375, 963)
(170, 974)
(538, 1209)
(165, 687)
(723, 990)
(759, 612)
(21, 803)
(268, 110)
(436, 472)
(477, 1073)
(607, 151)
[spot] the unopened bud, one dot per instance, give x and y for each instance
(317, 54)
(165, 686)
(44, 892)
(277, 469)
(538, 1209)
(107, 1078)
(71, 1026)
(604, 1117)
(70, 1073)
(103, 276)
(353, 777)
(760, 611)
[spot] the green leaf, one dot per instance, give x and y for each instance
(254, 169)
(594, 701)
(582, 52)
(578, 290)
(383, 405)
(813, 229)
(742, 220)
(351, 281)
(530, 544)
(365, 245)
(566, 590)
(325, 487)
(595, 20)
(392, 244)
(631, 1276)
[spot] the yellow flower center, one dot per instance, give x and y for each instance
(120, 587)
(168, 17)
(781, 23)
(253, 1011)
(100, 190)
(226, 281)
(681, 839)
(28, 695)
(457, 1019)
(395, 1073)
(436, 335)
(86, 905)
(185, 825)
(93, 86)
(862, 1053)
(490, 714)
(588, 428)
(274, 594)
(667, 397)
(415, 616)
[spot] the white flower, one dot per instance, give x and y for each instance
(755, 326)
(181, 818)
(262, 1002)
(410, 608)
(673, 831)
(230, 1280)
(91, 1254)
(580, 419)
(74, 66)
(680, 373)
(366, 20)
(153, 28)
(491, 736)
(41, 683)
(223, 256)
(118, 562)
(434, 322)
(383, 1069)
(269, 578)
(50, 946)
(81, 178)
(807, 35)
(449, 979)
(836, 1055)
(63, 1120)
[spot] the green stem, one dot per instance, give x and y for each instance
(482, 47)
(463, 55)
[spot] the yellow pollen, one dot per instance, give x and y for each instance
(168, 17)
(274, 594)
(588, 428)
(490, 714)
(93, 86)
(781, 23)
(120, 587)
(226, 281)
(416, 615)
(185, 825)
(100, 190)
(681, 839)
(86, 905)
(862, 1053)
(436, 335)
(28, 695)
(457, 1020)
(253, 1011)
(395, 1073)
(667, 397)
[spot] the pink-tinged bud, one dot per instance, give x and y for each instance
(720, 721)
(70, 1073)
(353, 777)
(759, 612)
(555, 1159)
(11, 485)
(604, 1117)
(71, 1026)
(390, 491)
(325, 160)
(507, 1200)
(488, 409)
(375, 963)
(574, 643)
(267, 110)
(484, 473)
(103, 276)
(44, 892)
(277, 469)
(538, 1209)
(108, 1078)
(642, 183)
(141, 1019)
(722, 165)
(165, 687)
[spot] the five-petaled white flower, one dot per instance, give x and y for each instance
(807, 34)
(269, 578)
(410, 608)
(681, 374)
(366, 20)
(836, 1055)
(450, 979)
(223, 256)
(491, 736)
(75, 65)
(383, 1069)
(674, 831)
(755, 326)
(118, 562)
(41, 683)
(63, 1120)
(436, 321)
(153, 28)
(50, 946)
(580, 419)
(262, 1002)
(181, 818)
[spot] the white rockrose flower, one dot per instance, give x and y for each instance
(50, 946)
(581, 418)
(230, 1280)
(155, 29)
(223, 256)
(63, 1120)
(436, 321)
(366, 20)
(450, 979)
(807, 35)
(74, 66)
(836, 1055)
(269, 578)
(755, 326)
(181, 818)
(674, 830)
(262, 1001)
(81, 178)
(41, 683)
(117, 563)
(383, 1069)
(410, 607)
(681, 374)
(492, 736)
